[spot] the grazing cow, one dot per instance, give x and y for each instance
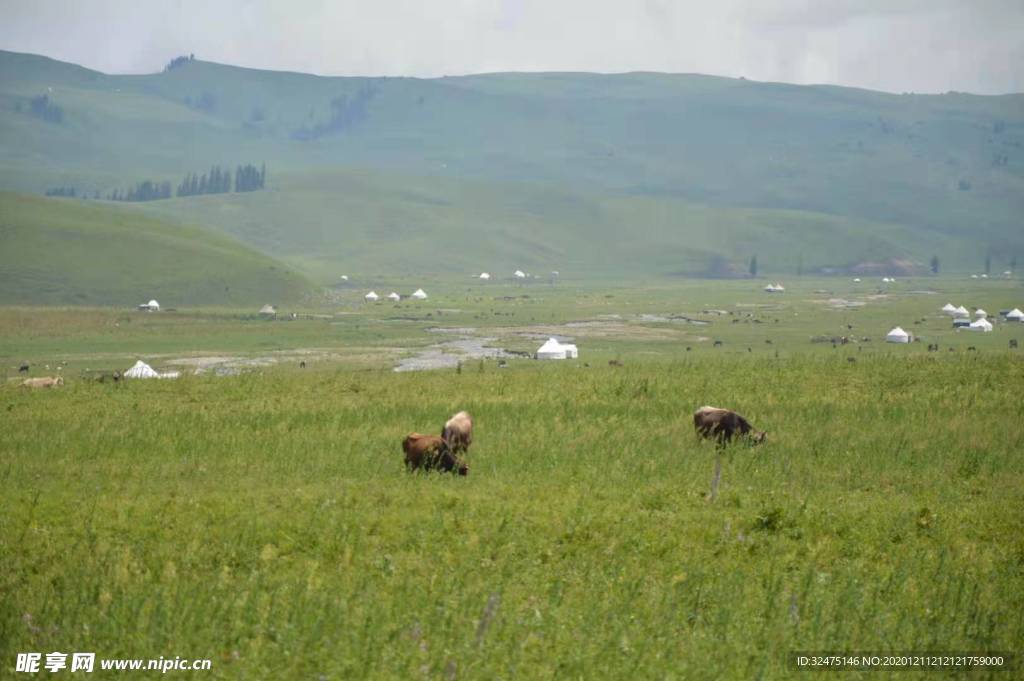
(23, 369)
(430, 452)
(717, 344)
(1013, 343)
(458, 432)
(43, 382)
(723, 424)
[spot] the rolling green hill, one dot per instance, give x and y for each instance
(547, 166)
(68, 251)
(330, 222)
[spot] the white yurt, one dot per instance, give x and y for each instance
(775, 288)
(949, 308)
(519, 274)
(141, 370)
(485, 275)
(1015, 315)
(372, 296)
(897, 335)
(268, 310)
(974, 276)
(980, 313)
(981, 325)
(571, 351)
(419, 294)
(962, 312)
(344, 277)
(151, 306)
(394, 296)
(856, 280)
(551, 349)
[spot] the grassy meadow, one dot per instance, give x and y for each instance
(265, 520)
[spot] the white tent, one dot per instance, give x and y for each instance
(1015, 315)
(151, 306)
(268, 310)
(856, 280)
(394, 296)
(949, 308)
(484, 275)
(419, 294)
(519, 274)
(371, 296)
(961, 312)
(981, 325)
(552, 349)
(984, 276)
(774, 288)
(571, 351)
(980, 313)
(344, 277)
(897, 335)
(141, 370)
(974, 276)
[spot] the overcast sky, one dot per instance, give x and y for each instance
(893, 45)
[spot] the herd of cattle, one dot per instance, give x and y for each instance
(445, 452)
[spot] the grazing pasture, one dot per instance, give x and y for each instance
(266, 521)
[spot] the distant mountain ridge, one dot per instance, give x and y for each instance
(930, 174)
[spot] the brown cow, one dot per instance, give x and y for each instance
(723, 424)
(458, 432)
(43, 382)
(431, 452)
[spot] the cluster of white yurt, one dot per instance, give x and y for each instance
(151, 306)
(775, 288)
(553, 349)
(888, 280)
(955, 311)
(519, 274)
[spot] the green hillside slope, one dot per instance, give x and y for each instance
(68, 251)
(947, 170)
(372, 222)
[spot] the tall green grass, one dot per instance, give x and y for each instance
(267, 521)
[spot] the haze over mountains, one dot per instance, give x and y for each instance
(637, 174)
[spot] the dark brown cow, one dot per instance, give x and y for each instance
(458, 432)
(723, 424)
(430, 452)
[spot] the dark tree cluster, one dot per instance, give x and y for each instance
(62, 191)
(345, 112)
(178, 62)
(147, 190)
(42, 107)
(217, 181)
(249, 179)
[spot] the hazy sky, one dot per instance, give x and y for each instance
(894, 45)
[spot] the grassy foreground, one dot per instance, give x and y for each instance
(265, 521)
